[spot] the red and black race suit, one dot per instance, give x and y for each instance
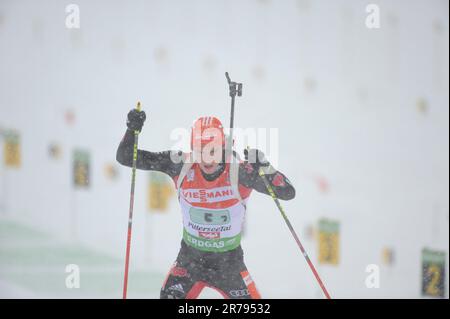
(194, 270)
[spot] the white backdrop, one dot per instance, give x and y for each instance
(344, 98)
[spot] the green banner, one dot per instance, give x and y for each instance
(81, 168)
(433, 273)
(11, 150)
(212, 245)
(328, 226)
(328, 241)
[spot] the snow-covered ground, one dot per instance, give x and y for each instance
(33, 265)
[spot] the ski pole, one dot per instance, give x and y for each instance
(235, 88)
(130, 214)
(280, 208)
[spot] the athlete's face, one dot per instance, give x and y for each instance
(210, 158)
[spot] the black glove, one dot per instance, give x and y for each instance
(135, 120)
(256, 158)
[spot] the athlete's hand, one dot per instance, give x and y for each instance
(256, 158)
(135, 120)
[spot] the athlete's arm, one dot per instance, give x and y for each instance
(250, 178)
(165, 162)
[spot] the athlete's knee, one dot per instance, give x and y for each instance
(173, 292)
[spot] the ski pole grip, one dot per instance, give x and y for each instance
(138, 106)
(228, 77)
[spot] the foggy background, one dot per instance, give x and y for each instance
(362, 116)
